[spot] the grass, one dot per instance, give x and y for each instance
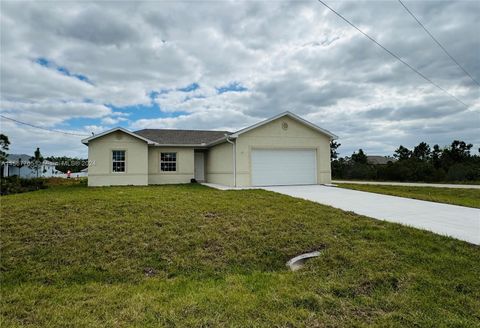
(455, 196)
(190, 256)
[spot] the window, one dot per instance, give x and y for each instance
(168, 162)
(118, 161)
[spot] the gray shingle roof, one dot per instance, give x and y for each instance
(13, 159)
(181, 137)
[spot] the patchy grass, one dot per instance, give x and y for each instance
(53, 182)
(455, 196)
(192, 256)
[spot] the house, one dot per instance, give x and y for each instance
(18, 164)
(380, 160)
(282, 150)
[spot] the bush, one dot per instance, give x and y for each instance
(463, 172)
(361, 172)
(15, 185)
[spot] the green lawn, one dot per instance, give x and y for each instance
(455, 196)
(191, 256)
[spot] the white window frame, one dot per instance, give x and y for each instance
(169, 162)
(124, 161)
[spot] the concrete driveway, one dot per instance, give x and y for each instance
(456, 221)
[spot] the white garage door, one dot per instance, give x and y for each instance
(276, 167)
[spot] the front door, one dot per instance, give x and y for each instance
(199, 166)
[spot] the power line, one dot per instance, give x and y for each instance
(394, 55)
(42, 128)
(438, 42)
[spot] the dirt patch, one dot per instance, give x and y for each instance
(211, 215)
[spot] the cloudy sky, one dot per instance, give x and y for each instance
(88, 66)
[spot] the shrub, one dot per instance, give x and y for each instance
(463, 172)
(15, 185)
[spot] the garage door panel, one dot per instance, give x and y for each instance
(283, 166)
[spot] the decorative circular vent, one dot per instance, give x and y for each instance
(284, 125)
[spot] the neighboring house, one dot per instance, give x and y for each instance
(283, 150)
(11, 167)
(380, 160)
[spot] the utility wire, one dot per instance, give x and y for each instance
(438, 42)
(393, 54)
(41, 128)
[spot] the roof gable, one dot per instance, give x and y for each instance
(292, 116)
(87, 140)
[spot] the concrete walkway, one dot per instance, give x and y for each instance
(456, 221)
(411, 184)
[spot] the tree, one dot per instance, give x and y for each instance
(36, 161)
(402, 153)
(360, 157)
(64, 163)
(333, 149)
(436, 156)
(458, 151)
(4, 143)
(19, 165)
(422, 151)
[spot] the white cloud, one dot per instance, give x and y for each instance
(294, 56)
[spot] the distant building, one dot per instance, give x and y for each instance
(380, 160)
(17, 164)
(82, 174)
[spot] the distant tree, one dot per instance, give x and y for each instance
(333, 149)
(19, 165)
(436, 156)
(402, 153)
(36, 161)
(360, 157)
(4, 143)
(422, 151)
(64, 163)
(437, 164)
(458, 151)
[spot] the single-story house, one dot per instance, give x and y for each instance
(18, 164)
(282, 150)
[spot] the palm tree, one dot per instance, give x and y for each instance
(36, 161)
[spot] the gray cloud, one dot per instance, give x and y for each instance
(294, 56)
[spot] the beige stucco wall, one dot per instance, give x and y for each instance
(185, 166)
(100, 159)
(219, 161)
(272, 135)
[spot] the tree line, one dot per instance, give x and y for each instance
(420, 164)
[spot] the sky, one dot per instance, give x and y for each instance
(85, 67)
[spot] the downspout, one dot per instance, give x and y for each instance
(234, 148)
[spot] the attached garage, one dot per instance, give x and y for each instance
(278, 167)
